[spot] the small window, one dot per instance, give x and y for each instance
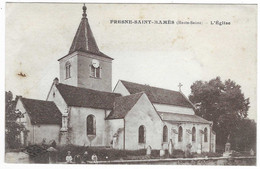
(194, 134)
(180, 133)
(141, 138)
(165, 134)
(205, 135)
(95, 72)
(98, 72)
(68, 66)
(91, 125)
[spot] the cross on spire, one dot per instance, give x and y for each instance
(180, 85)
(84, 11)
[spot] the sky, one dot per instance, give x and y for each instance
(38, 34)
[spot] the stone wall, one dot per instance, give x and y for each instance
(48, 132)
(78, 126)
(115, 133)
(104, 83)
(120, 88)
(36, 133)
(55, 96)
(143, 113)
(26, 122)
(80, 71)
(238, 161)
(73, 80)
(187, 136)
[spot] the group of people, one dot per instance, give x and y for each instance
(78, 159)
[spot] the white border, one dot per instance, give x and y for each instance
(2, 80)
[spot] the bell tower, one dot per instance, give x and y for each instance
(85, 65)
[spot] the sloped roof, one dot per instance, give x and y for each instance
(83, 97)
(158, 95)
(123, 105)
(175, 118)
(42, 112)
(84, 40)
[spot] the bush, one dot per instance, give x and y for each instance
(220, 149)
(140, 152)
(155, 153)
(211, 154)
(102, 153)
(245, 153)
(207, 154)
(177, 154)
(235, 154)
(37, 153)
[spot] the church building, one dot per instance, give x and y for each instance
(82, 109)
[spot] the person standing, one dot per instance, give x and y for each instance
(94, 158)
(77, 159)
(85, 157)
(68, 158)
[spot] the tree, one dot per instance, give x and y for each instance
(244, 138)
(12, 128)
(222, 103)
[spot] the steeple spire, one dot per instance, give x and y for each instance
(84, 15)
(84, 40)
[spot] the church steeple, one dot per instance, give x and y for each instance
(84, 40)
(85, 65)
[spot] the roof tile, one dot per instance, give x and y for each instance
(158, 95)
(83, 97)
(123, 105)
(42, 112)
(84, 40)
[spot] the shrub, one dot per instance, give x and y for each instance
(140, 152)
(37, 153)
(155, 153)
(245, 153)
(220, 149)
(177, 154)
(211, 154)
(235, 154)
(102, 153)
(207, 154)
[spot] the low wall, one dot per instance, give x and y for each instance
(16, 157)
(248, 161)
(19, 157)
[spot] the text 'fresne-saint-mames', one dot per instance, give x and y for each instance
(168, 22)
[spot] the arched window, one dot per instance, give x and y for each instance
(95, 72)
(194, 134)
(180, 133)
(141, 133)
(68, 66)
(205, 135)
(91, 125)
(165, 134)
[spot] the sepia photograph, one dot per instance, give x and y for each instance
(130, 83)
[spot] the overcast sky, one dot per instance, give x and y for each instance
(38, 34)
